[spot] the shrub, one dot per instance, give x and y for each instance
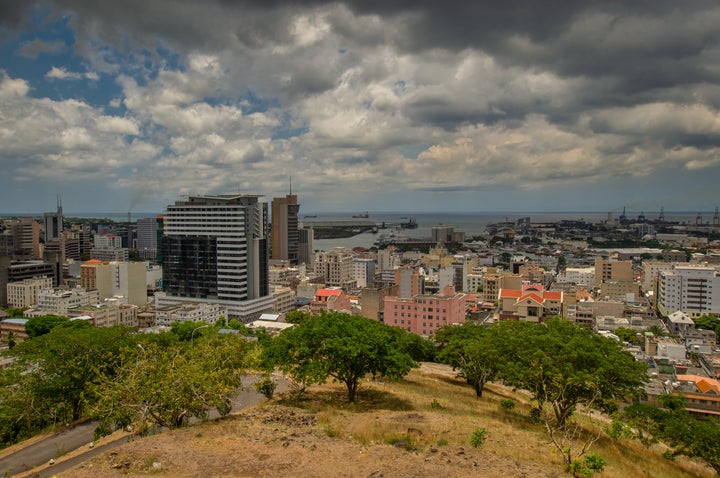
(588, 467)
(266, 386)
(435, 405)
(478, 437)
(507, 404)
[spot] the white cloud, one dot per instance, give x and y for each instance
(62, 74)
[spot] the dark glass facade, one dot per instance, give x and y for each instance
(190, 266)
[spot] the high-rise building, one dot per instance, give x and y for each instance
(54, 222)
(285, 234)
(306, 251)
(215, 249)
(25, 233)
(147, 232)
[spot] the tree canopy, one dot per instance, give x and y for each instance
(168, 385)
(37, 326)
(565, 365)
(342, 347)
(471, 349)
(49, 381)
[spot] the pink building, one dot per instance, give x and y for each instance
(424, 314)
(330, 300)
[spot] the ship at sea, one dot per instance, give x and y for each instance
(362, 215)
(409, 224)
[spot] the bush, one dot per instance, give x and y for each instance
(588, 467)
(507, 404)
(266, 386)
(435, 405)
(478, 437)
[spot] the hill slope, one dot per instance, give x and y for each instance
(419, 427)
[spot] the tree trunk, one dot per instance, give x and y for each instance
(479, 385)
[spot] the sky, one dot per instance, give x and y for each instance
(363, 105)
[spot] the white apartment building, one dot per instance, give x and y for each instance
(59, 302)
(692, 290)
(284, 299)
(652, 270)
(582, 276)
(336, 267)
(189, 312)
(363, 271)
(25, 293)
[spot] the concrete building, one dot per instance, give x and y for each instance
(59, 302)
(651, 273)
(108, 314)
(15, 326)
(189, 312)
(284, 232)
(336, 267)
(147, 236)
(306, 248)
(116, 279)
(610, 270)
(442, 233)
(581, 276)
(22, 239)
(424, 314)
(330, 300)
(693, 290)
(284, 299)
(108, 247)
(215, 250)
(496, 280)
(17, 271)
(363, 271)
(372, 299)
(25, 293)
(531, 303)
(53, 222)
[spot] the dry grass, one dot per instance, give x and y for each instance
(431, 409)
(418, 427)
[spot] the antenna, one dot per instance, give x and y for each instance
(291, 185)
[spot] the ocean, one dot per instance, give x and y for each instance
(470, 223)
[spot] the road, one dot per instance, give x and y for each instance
(37, 455)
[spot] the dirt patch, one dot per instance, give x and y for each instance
(279, 441)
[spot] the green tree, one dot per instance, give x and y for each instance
(564, 365)
(67, 360)
(677, 427)
(296, 316)
(708, 322)
(186, 331)
(627, 334)
(49, 381)
(339, 346)
(471, 349)
(37, 326)
(169, 385)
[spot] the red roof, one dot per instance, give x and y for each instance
(328, 292)
(510, 293)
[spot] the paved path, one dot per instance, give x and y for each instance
(37, 455)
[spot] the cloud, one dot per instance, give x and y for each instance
(377, 99)
(33, 48)
(62, 74)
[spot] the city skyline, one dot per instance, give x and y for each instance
(404, 106)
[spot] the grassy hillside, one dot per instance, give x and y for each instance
(418, 427)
